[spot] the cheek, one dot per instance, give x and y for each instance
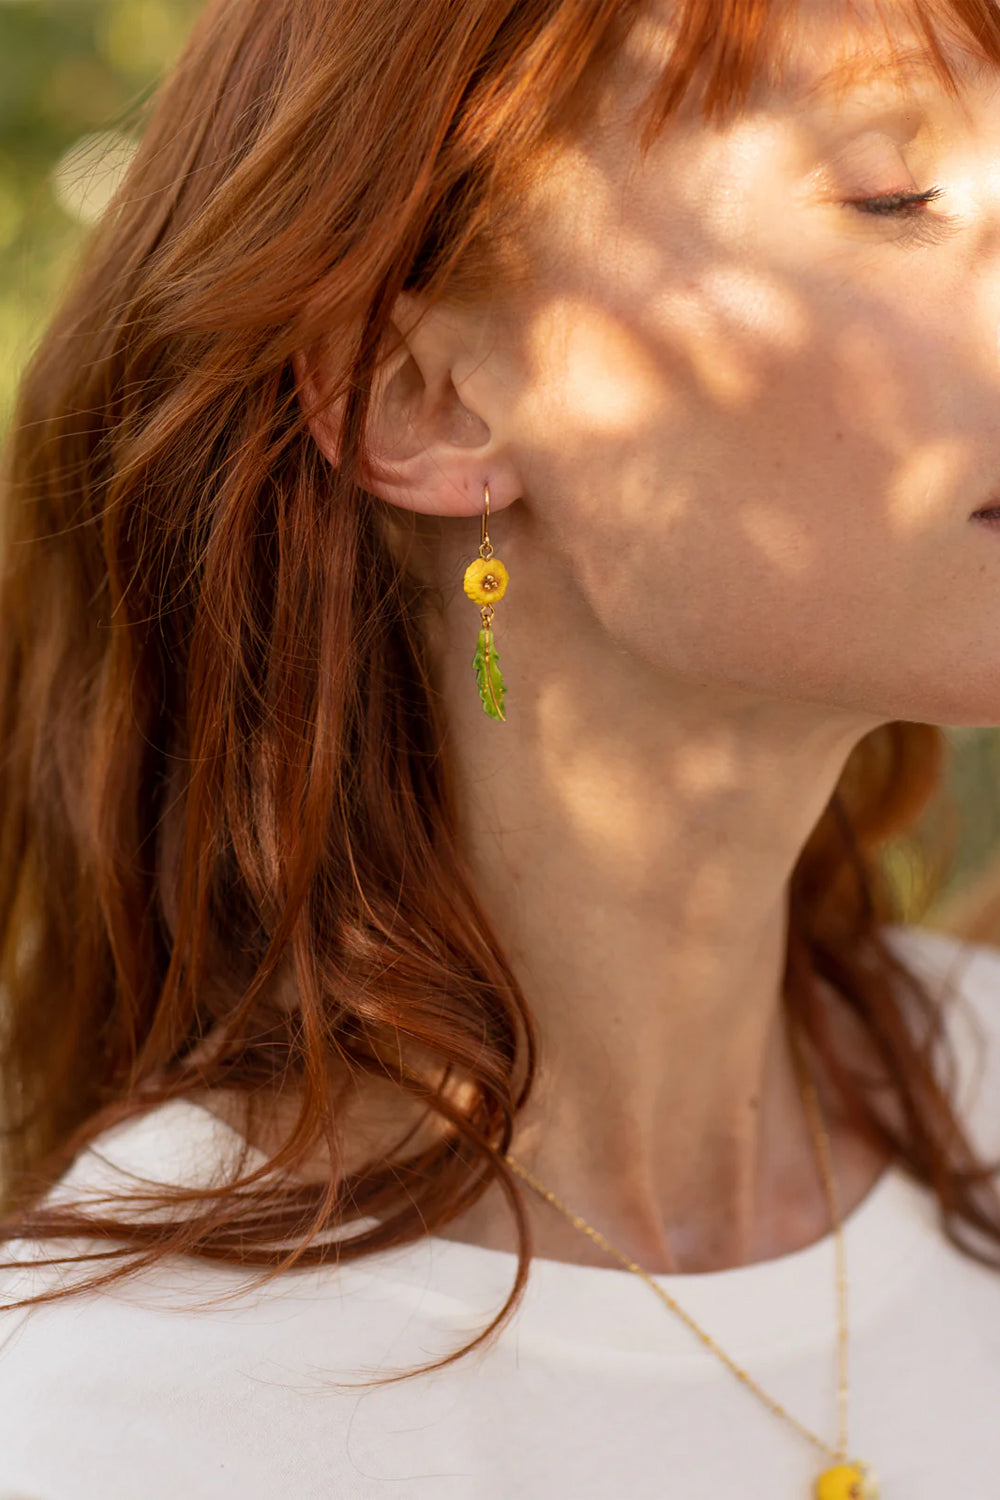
(735, 474)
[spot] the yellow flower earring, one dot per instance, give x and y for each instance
(486, 580)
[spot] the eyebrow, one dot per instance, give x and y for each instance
(861, 70)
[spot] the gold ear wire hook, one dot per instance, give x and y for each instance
(485, 548)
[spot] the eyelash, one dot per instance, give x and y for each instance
(918, 226)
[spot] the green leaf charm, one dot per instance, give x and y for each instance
(491, 684)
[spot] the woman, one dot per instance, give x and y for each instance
(491, 532)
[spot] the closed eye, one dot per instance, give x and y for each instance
(919, 227)
(901, 204)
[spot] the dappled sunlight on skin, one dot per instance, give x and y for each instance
(708, 324)
(867, 360)
(607, 828)
(599, 792)
(609, 373)
(739, 397)
(742, 425)
(740, 302)
(922, 478)
(785, 544)
(707, 768)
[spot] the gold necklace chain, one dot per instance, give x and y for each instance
(852, 1481)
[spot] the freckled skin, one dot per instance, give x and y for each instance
(733, 430)
(792, 407)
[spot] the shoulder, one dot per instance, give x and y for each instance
(957, 973)
(940, 952)
(176, 1144)
(963, 979)
(192, 1368)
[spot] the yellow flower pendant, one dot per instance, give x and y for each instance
(485, 580)
(847, 1482)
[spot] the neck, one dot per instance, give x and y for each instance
(632, 839)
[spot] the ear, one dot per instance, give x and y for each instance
(431, 444)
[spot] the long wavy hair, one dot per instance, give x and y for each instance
(228, 858)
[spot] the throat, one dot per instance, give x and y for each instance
(796, 1218)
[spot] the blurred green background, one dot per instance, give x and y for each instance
(72, 75)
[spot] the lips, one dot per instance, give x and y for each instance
(988, 513)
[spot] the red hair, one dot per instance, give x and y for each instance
(228, 857)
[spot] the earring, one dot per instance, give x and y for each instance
(486, 580)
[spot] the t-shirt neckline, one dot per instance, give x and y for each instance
(787, 1300)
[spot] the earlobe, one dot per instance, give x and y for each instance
(427, 450)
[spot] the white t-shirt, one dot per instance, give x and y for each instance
(595, 1392)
